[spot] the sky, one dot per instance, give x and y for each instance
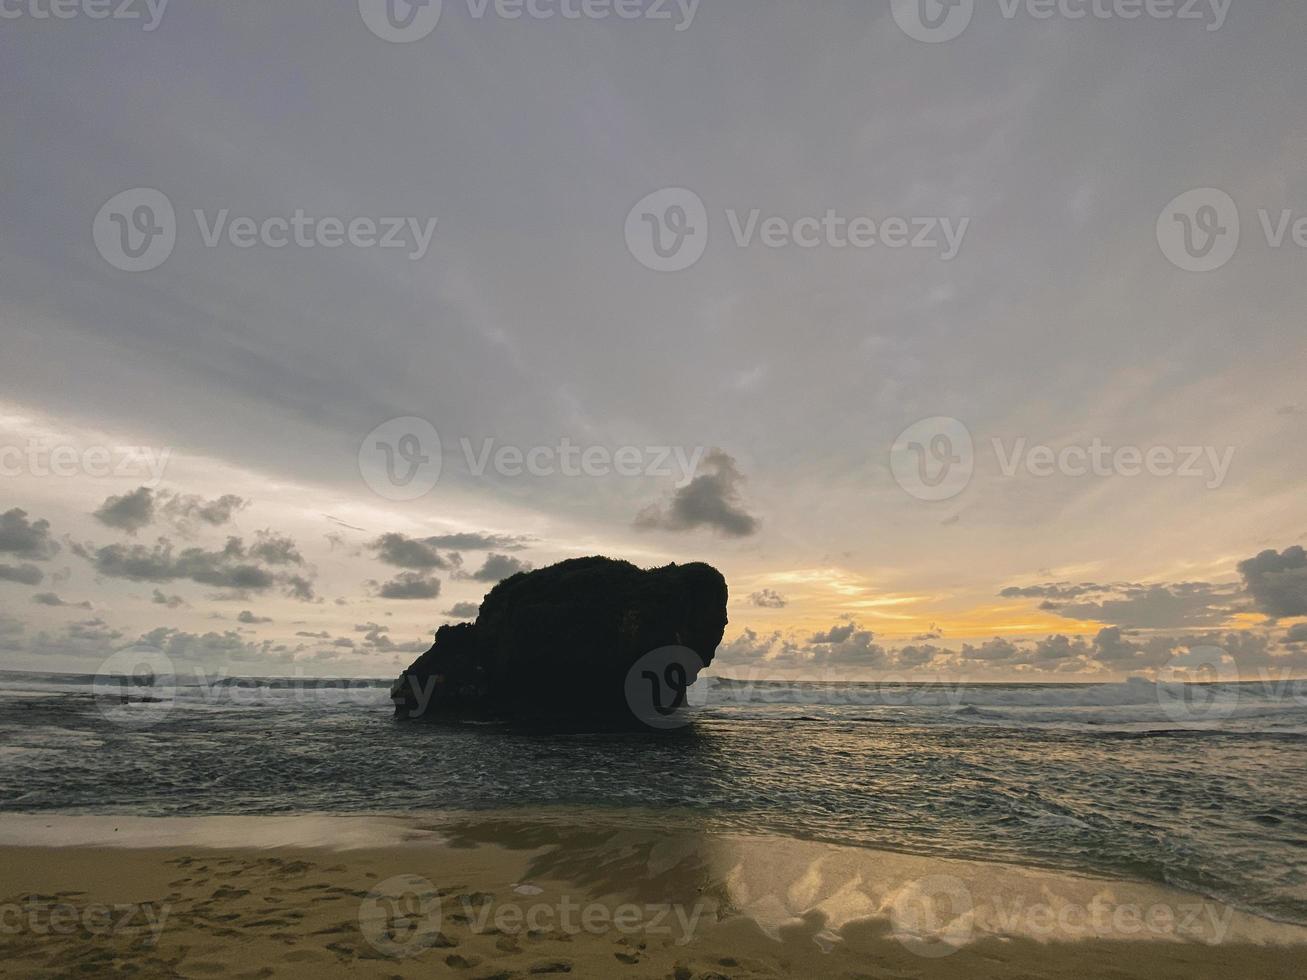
(941, 349)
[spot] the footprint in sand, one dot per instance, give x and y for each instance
(551, 966)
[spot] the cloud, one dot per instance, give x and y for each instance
(184, 508)
(275, 549)
(22, 574)
(50, 599)
(233, 567)
(171, 601)
(140, 508)
(228, 568)
(374, 635)
(406, 552)
(251, 619)
(1165, 606)
(768, 599)
(1057, 590)
(844, 645)
(298, 587)
(1297, 634)
(410, 585)
(711, 500)
(1277, 581)
(129, 512)
(496, 569)
(479, 542)
(208, 648)
(26, 540)
(464, 610)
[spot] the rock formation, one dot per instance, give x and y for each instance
(557, 645)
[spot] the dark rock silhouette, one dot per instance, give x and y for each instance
(556, 645)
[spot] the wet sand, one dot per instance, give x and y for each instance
(587, 894)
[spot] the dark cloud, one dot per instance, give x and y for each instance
(183, 508)
(997, 650)
(232, 567)
(140, 508)
(711, 500)
(129, 512)
(228, 568)
(1174, 606)
(374, 635)
(917, 655)
(171, 601)
(405, 552)
(479, 542)
(768, 599)
(26, 539)
(1188, 604)
(1056, 590)
(844, 645)
(95, 632)
(22, 574)
(50, 599)
(250, 619)
(299, 587)
(213, 649)
(464, 610)
(275, 549)
(1277, 581)
(497, 568)
(1297, 634)
(410, 585)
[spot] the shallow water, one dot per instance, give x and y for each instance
(1112, 780)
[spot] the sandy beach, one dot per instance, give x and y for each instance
(586, 894)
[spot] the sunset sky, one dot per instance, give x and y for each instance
(256, 375)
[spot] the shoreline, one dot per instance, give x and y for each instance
(512, 893)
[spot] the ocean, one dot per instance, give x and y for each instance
(1200, 787)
